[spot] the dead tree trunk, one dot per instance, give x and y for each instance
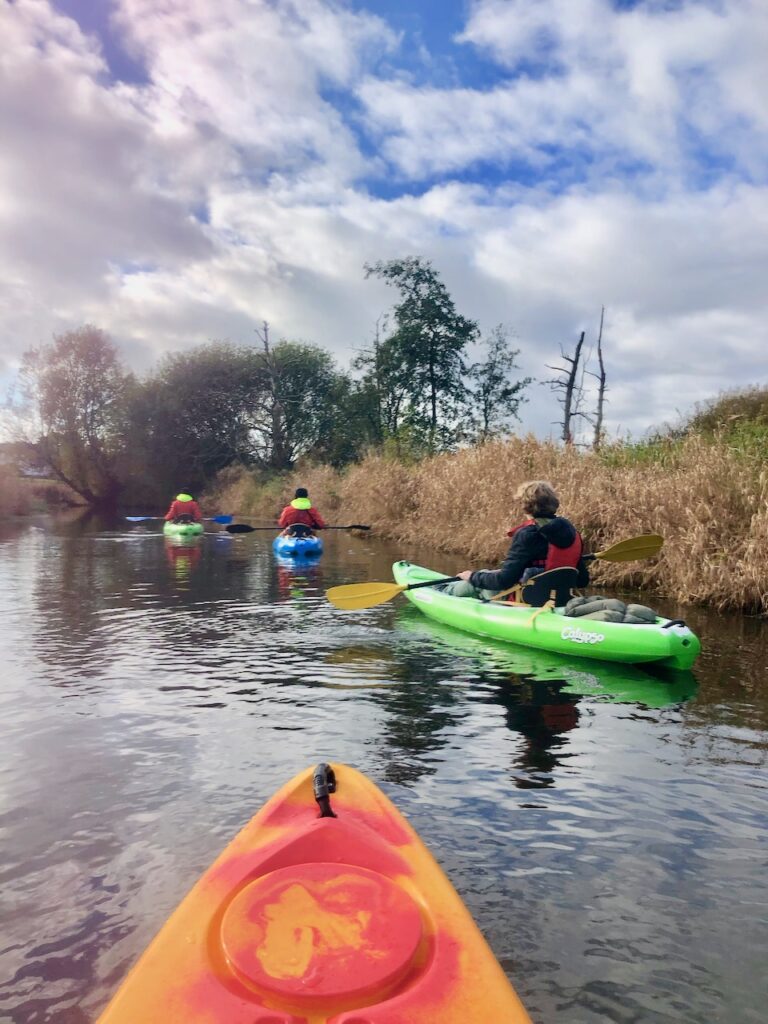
(601, 387)
(568, 385)
(279, 455)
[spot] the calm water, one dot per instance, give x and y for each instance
(606, 828)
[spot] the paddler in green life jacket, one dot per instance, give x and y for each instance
(541, 542)
(184, 509)
(300, 518)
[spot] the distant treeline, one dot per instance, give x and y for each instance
(112, 436)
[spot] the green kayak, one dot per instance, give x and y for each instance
(665, 642)
(652, 685)
(182, 529)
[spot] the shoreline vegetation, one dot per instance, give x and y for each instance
(25, 496)
(707, 497)
(415, 437)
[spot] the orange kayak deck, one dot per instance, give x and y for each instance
(320, 920)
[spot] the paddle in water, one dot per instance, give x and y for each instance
(353, 596)
(243, 528)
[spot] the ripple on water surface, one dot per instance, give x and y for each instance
(606, 828)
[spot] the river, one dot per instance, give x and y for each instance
(605, 827)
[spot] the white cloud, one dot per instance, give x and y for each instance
(229, 187)
(585, 79)
(76, 181)
(254, 72)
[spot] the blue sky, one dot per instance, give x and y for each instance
(178, 170)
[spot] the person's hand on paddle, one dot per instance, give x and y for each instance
(464, 575)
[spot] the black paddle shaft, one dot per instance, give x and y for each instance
(244, 528)
(433, 583)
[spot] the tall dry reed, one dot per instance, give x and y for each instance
(21, 496)
(15, 497)
(255, 495)
(708, 502)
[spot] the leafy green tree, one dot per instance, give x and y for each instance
(424, 356)
(76, 391)
(223, 404)
(384, 389)
(194, 415)
(298, 415)
(495, 397)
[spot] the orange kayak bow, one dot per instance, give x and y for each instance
(341, 918)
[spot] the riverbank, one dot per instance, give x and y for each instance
(25, 496)
(707, 499)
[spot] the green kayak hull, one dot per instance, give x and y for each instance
(675, 646)
(182, 529)
(651, 685)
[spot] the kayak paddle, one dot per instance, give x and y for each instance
(645, 546)
(242, 528)
(145, 519)
(353, 596)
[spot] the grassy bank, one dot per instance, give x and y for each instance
(707, 498)
(23, 496)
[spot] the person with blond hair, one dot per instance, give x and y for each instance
(543, 541)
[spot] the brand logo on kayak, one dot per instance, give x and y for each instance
(581, 636)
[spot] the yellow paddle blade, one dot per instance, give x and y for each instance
(363, 595)
(645, 546)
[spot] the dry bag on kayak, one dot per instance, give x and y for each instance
(610, 609)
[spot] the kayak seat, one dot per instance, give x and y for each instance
(554, 588)
(300, 530)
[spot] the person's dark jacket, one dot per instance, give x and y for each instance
(529, 545)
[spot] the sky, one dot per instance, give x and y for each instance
(177, 171)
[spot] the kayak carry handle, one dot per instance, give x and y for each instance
(323, 784)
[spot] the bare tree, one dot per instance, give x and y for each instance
(571, 387)
(598, 438)
(571, 384)
(272, 408)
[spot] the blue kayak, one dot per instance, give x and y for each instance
(297, 547)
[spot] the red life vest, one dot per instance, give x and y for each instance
(184, 508)
(564, 558)
(291, 516)
(557, 558)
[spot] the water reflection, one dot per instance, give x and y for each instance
(651, 687)
(601, 822)
(539, 691)
(543, 715)
(183, 555)
(298, 577)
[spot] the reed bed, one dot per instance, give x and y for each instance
(15, 497)
(22, 496)
(706, 499)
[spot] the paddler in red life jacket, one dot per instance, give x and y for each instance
(300, 518)
(184, 509)
(543, 541)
